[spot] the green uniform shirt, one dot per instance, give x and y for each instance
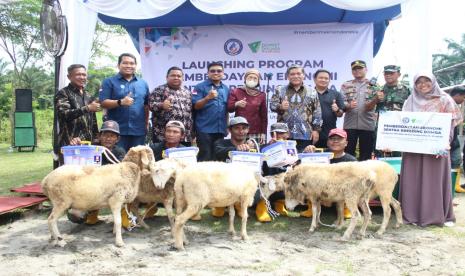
(394, 97)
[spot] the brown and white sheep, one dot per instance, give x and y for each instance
(91, 188)
(148, 193)
(386, 179)
(213, 184)
(347, 182)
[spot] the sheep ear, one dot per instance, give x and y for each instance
(131, 156)
(144, 158)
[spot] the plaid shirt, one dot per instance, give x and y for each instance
(181, 110)
(74, 118)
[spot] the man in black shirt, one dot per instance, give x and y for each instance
(331, 102)
(108, 137)
(337, 143)
(174, 134)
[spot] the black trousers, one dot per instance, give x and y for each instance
(365, 139)
(206, 145)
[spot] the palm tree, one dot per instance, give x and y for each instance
(455, 56)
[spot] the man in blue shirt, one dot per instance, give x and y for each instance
(209, 99)
(125, 97)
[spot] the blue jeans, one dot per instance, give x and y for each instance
(129, 141)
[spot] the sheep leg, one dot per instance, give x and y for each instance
(386, 214)
(56, 213)
(134, 208)
(244, 214)
(180, 220)
(168, 203)
(366, 217)
(315, 215)
(116, 211)
(340, 215)
(352, 205)
(398, 210)
(232, 213)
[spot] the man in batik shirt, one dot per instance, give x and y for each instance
(171, 102)
(298, 106)
(76, 110)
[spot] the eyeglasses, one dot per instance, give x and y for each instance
(215, 71)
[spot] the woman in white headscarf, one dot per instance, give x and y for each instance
(425, 191)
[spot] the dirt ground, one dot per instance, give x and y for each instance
(282, 247)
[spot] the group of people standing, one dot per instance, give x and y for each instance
(308, 113)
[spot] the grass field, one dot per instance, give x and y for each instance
(18, 168)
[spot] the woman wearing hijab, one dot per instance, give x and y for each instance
(425, 191)
(250, 103)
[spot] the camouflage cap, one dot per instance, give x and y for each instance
(358, 63)
(279, 127)
(391, 68)
(237, 121)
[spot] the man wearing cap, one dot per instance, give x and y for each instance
(360, 118)
(171, 101)
(249, 102)
(173, 135)
(331, 102)
(298, 106)
(209, 99)
(395, 92)
(239, 128)
(108, 137)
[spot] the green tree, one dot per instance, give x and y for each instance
(455, 55)
(20, 37)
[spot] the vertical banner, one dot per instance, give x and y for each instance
(270, 49)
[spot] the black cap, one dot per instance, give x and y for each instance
(358, 63)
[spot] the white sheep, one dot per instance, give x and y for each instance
(91, 188)
(347, 182)
(213, 184)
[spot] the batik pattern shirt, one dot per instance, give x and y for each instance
(304, 113)
(181, 110)
(74, 117)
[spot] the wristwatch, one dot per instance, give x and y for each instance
(119, 102)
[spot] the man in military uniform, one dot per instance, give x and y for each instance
(361, 99)
(395, 94)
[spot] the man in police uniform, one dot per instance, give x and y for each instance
(361, 99)
(395, 92)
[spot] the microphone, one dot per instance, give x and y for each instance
(373, 81)
(268, 75)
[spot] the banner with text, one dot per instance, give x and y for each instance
(418, 132)
(270, 49)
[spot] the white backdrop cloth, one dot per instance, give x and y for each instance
(270, 49)
(155, 8)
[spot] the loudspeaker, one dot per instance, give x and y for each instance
(23, 100)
